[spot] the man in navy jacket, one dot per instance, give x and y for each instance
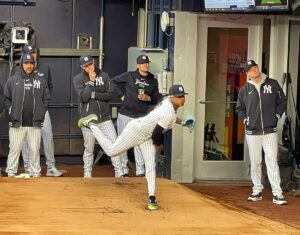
(261, 102)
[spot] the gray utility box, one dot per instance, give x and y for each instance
(157, 56)
(158, 65)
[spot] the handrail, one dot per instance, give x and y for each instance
(216, 102)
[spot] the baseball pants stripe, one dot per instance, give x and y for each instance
(122, 121)
(269, 143)
(148, 152)
(48, 144)
(16, 138)
(131, 136)
(108, 130)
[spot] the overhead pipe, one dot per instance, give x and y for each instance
(160, 32)
(146, 24)
(101, 35)
(152, 38)
(170, 5)
(25, 3)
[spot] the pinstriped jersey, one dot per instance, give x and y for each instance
(164, 115)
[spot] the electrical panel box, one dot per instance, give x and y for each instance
(158, 65)
(157, 56)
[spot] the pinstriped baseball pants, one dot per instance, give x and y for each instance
(269, 143)
(108, 130)
(132, 135)
(16, 138)
(122, 121)
(48, 145)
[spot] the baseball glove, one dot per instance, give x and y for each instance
(189, 122)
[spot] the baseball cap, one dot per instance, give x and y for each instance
(177, 90)
(27, 58)
(249, 64)
(27, 49)
(86, 60)
(142, 59)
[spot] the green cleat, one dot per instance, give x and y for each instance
(152, 204)
(86, 120)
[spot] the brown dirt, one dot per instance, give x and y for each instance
(236, 194)
(73, 205)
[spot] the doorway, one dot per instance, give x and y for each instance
(229, 43)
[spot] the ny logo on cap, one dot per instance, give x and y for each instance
(249, 62)
(28, 57)
(29, 47)
(86, 58)
(180, 88)
(144, 57)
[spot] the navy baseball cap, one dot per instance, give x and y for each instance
(177, 90)
(86, 60)
(27, 49)
(142, 59)
(27, 58)
(249, 64)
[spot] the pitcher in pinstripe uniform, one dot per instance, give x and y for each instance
(27, 95)
(144, 132)
(261, 102)
(47, 135)
(92, 86)
(139, 94)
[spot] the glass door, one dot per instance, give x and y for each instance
(224, 132)
(228, 45)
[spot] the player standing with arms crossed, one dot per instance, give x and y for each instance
(144, 132)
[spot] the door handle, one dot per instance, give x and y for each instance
(216, 102)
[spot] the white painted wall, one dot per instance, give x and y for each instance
(185, 73)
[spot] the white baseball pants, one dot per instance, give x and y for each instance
(122, 121)
(108, 130)
(32, 135)
(269, 143)
(132, 135)
(48, 144)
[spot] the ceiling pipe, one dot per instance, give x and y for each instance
(160, 32)
(101, 36)
(152, 38)
(25, 3)
(146, 24)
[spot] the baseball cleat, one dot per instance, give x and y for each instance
(53, 172)
(279, 200)
(255, 197)
(86, 120)
(152, 204)
(23, 176)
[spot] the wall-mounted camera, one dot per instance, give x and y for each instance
(19, 35)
